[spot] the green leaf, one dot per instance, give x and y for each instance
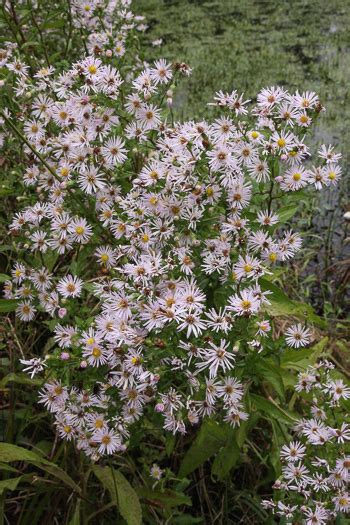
(272, 409)
(121, 492)
(9, 453)
(167, 498)
(76, 516)
(7, 468)
(226, 459)
(4, 277)
(170, 444)
(9, 484)
(8, 305)
(185, 519)
(287, 212)
(270, 372)
(20, 379)
(301, 359)
(210, 438)
(282, 305)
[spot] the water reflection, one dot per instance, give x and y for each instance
(246, 45)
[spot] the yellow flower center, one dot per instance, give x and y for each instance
(331, 175)
(296, 177)
(248, 268)
(281, 143)
(79, 230)
(254, 134)
(272, 257)
(246, 305)
(92, 69)
(104, 258)
(96, 352)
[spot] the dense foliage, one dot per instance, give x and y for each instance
(141, 293)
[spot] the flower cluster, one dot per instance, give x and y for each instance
(315, 473)
(146, 240)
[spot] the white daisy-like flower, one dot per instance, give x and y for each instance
(297, 336)
(70, 286)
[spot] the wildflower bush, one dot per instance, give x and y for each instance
(145, 256)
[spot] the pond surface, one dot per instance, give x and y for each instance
(250, 44)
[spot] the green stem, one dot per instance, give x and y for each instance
(33, 150)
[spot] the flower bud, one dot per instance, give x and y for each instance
(62, 312)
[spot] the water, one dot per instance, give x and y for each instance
(246, 45)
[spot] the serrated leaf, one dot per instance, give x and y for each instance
(121, 492)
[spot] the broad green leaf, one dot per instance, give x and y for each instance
(21, 379)
(287, 212)
(301, 359)
(282, 305)
(226, 458)
(167, 498)
(9, 453)
(273, 410)
(9, 484)
(268, 371)
(121, 492)
(8, 305)
(7, 468)
(4, 277)
(210, 438)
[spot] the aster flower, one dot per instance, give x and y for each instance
(215, 357)
(297, 336)
(70, 286)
